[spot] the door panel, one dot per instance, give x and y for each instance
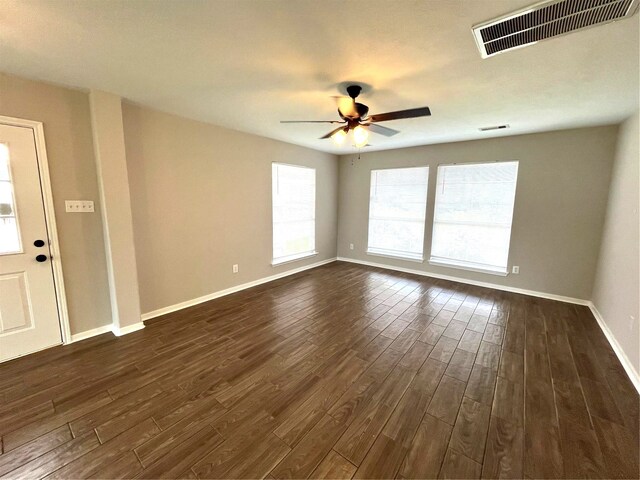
(15, 307)
(28, 311)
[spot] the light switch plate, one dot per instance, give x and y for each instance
(78, 206)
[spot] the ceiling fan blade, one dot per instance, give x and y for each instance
(331, 133)
(347, 106)
(410, 113)
(310, 121)
(379, 129)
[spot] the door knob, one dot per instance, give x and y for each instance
(41, 258)
(38, 243)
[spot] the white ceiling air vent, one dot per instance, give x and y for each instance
(546, 20)
(496, 127)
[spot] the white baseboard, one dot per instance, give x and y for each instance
(624, 360)
(228, 291)
(118, 332)
(76, 337)
(533, 293)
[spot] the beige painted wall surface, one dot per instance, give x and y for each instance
(111, 165)
(561, 196)
(617, 284)
(67, 126)
(201, 201)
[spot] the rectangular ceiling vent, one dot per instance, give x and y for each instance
(546, 20)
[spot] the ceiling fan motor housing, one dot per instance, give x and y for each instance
(354, 90)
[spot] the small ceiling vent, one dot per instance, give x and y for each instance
(546, 20)
(496, 127)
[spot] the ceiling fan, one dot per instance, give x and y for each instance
(355, 117)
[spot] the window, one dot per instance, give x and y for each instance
(473, 214)
(9, 233)
(294, 212)
(397, 207)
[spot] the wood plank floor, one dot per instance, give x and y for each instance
(338, 372)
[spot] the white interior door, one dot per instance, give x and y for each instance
(28, 310)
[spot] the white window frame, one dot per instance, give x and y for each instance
(301, 255)
(464, 265)
(400, 255)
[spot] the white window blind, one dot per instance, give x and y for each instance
(397, 207)
(473, 214)
(294, 212)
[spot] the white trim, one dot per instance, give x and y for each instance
(228, 291)
(622, 357)
(292, 258)
(76, 337)
(395, 257)
(119, 331)
(550, 296)
(293, 165)
(459, 266)
(466, 164)
(50, 219)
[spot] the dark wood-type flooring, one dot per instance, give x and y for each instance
(338, 372)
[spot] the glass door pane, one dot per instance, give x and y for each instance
(9, 233)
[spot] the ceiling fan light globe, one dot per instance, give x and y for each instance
(360, 136)
(339, 137)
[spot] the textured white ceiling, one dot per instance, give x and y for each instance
(246, 64)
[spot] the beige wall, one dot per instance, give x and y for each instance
(67, 127)
(117, 224)
(617, 286)
(191, 182)
(563, 180)
(201, 201)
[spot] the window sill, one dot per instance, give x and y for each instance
(461, 266)
(293, 258)
(396, 257)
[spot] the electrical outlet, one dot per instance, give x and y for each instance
(78, 206)
(235, 268)
(351, 246)
(515, 269)
(632, 320)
